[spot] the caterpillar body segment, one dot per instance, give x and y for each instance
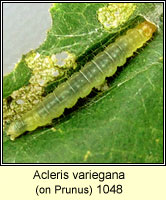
(80, 84)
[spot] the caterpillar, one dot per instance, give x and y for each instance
(80, 84)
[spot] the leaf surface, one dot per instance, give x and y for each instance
(121, 125)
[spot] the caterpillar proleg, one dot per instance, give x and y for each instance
(80, 84)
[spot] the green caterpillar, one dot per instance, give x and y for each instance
(80, 84)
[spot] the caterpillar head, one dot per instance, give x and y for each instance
(147, 28)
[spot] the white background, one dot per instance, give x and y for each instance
(24, 28)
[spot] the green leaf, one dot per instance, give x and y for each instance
(121, 125)
(16, 79)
